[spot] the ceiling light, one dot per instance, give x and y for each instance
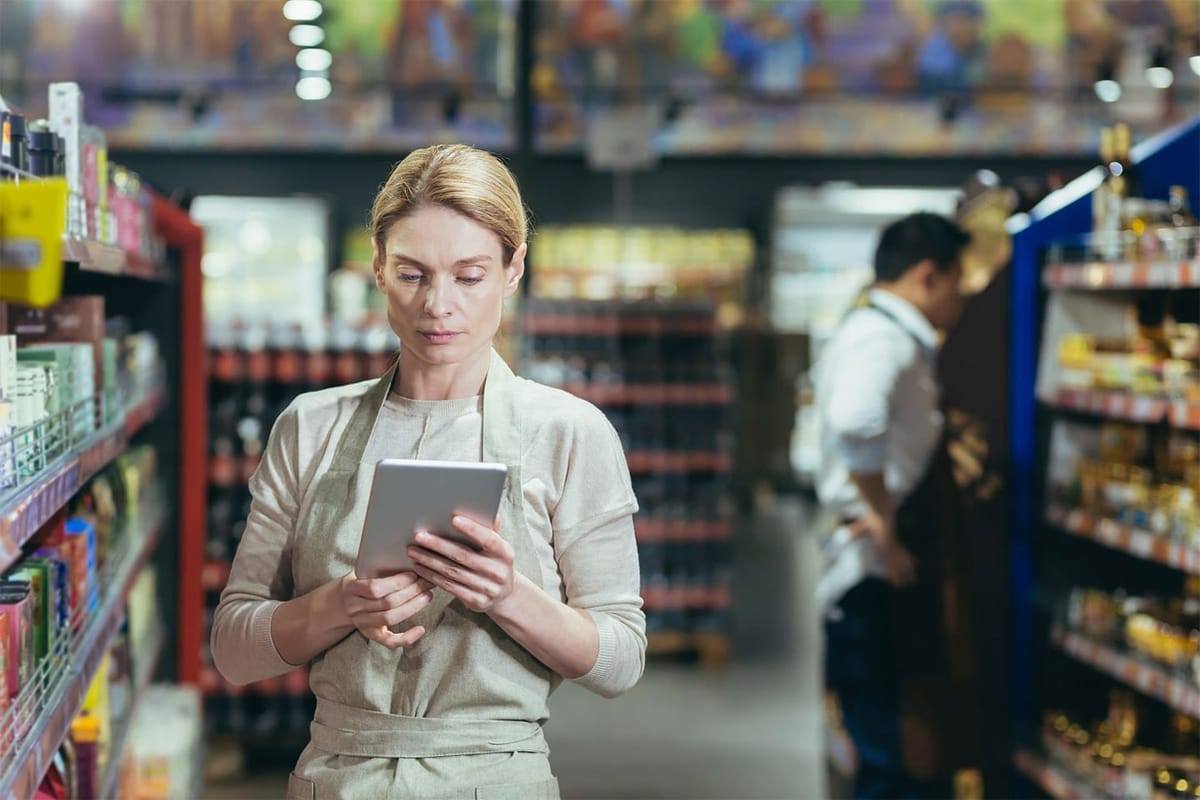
(1160, 77)
(306, 35)
(313, 88)
(301, 10)
(313, 59)
(1108, 90)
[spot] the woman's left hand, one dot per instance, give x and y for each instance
(482, 579)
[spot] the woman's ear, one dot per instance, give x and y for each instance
(515, 270)
(377, 265)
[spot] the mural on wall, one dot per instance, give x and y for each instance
(225, 73)
(862, 76)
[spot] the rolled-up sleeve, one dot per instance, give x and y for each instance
(260, 579)
(863, 388)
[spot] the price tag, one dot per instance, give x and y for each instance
(1141, 543)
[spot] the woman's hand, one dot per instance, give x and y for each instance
(482, 579)
(373, 605)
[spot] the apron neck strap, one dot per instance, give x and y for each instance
(353, 443)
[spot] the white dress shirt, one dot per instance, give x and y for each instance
(878, 410)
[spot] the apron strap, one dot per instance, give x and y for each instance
(353, 442)
(348, 731)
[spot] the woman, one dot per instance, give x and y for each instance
(435, 683)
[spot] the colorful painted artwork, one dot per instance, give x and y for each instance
(224, 73)
(899, 77)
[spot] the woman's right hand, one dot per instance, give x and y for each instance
(374, 605)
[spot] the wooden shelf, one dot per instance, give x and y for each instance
(1138, 543)
(1161, 274)
(713, 648)
(1147, 677)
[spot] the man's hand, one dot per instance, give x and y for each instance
(899, 564)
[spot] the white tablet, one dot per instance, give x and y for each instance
(409, 496)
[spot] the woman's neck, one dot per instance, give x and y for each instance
(417, 380)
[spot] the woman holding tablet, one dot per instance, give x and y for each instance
(434, 683)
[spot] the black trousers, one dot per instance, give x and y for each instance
(861, 667)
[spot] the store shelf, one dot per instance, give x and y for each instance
(653, 394)
(1124, 275)
(146, 662)
(1149, 678)
(616, 324)
(1129, 407)
(110, 260)
(24, 511)
(1054, 781)
(1139, 543)
(643, 462)
(50, 716)
(682, 530)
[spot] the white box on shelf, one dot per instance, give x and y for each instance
(66, 118)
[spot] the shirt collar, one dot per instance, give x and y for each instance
(908, 315)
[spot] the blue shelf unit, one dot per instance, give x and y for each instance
(1170, 159)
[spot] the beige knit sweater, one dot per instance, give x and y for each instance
(579, 508)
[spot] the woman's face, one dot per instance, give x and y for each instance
(445, 279)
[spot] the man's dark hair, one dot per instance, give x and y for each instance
(909, 241)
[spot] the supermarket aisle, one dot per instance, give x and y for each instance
(752, 730)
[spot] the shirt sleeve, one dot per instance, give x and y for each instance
(260, 579)
(597, 555)
(861, 390)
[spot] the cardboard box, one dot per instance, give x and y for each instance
(73, 319)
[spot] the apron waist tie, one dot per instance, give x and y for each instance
(348, 731)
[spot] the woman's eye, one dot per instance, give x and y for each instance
(410, 277)
(469, 281)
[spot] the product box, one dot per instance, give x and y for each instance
(95, 180)
(60, 573)
(39, 575)
(8, 450)
(16, 603)
(81, 535)
(66, 119)
(77, 319)
(75, 381)
(30, 403)
(8, 365)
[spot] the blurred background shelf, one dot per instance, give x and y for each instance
(1138, 543)
(1124, 275)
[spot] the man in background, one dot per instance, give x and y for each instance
(881, 427)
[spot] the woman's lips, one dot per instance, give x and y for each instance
(439, 337)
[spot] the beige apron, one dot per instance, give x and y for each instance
(457, 715)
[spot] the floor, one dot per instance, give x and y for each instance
(749, 730)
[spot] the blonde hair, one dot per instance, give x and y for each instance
(472, 182)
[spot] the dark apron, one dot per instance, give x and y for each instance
(932, 642)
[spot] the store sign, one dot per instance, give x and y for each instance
(622, 139)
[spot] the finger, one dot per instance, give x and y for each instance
(455, 571)
(394, 641)
(450, 549)
(395, 599)
(471, 597)
(379, 588)
(485, 538)
(394, 615)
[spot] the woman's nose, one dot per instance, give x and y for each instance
(437, 301)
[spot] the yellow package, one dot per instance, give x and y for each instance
(33, 215)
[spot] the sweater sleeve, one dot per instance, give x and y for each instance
(260, 579)
(597, 555)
